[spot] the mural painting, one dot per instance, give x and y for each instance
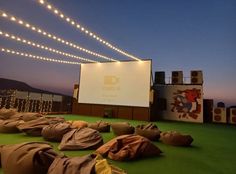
(186, 103)
(183, 102)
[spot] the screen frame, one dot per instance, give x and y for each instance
(118, 104)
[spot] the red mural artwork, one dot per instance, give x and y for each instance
(186, 103)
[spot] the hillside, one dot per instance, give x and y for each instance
(21, 86)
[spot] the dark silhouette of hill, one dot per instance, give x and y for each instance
(20, 86)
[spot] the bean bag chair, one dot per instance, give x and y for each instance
(7, 113)
(176, 139)
(34, 127)
(128, 147)
(103, 167)
(55, 132)
(89, 164)
(54, 120)
(82, 138)
(79, 123)
(149, 131)
(100, 126)
(29, 116)
(1, 146)
(18, 115)
(10, 125)
(27, 158)
(74, 165)
(122, 128)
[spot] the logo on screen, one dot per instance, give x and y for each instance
(111, 83)
(111, 80)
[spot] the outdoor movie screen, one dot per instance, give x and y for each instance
(115, 83)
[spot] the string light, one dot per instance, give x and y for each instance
(58, 39)
(28, 42)
(28, 55)
(4, 15)
(83, 29)
(20, 22)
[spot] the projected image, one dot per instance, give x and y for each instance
(111, 83)
(111, 88)
(123, 83)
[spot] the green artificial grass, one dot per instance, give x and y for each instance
(213, 150)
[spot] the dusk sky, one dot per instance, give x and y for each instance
(176, 34)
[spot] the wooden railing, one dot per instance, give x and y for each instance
(25, 101)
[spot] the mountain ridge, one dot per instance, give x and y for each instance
(7, 84)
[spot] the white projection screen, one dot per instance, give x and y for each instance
(116, 83)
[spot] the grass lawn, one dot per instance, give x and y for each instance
(213, 149)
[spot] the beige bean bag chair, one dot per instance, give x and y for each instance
(10, 125)
(102, 166)
(128, 147)
(100, 126)
(176, 139)
(7, 113)
(149, 131)
(27, 158)
(122, 128)
(79, 123)
(82, 138)
(55, 132)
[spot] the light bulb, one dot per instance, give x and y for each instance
(13, 18)
(4, 15)
(41, 1)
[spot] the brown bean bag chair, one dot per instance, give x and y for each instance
(149, 131)
(55, 132)
(29, 116)
(128, 147)
(79, 124)
(34, 127)
(7, 113)
(176, 139)
(122, 128)
(10, 125)
(1, 146)
(82, 138)
(100, 126)
(27, 158)
(54, 120)
(89, 164)
(74, 165)
(18, 115)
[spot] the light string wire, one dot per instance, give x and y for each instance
(43, 47)
(28, 55)
(81, 28)
(51, 36)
